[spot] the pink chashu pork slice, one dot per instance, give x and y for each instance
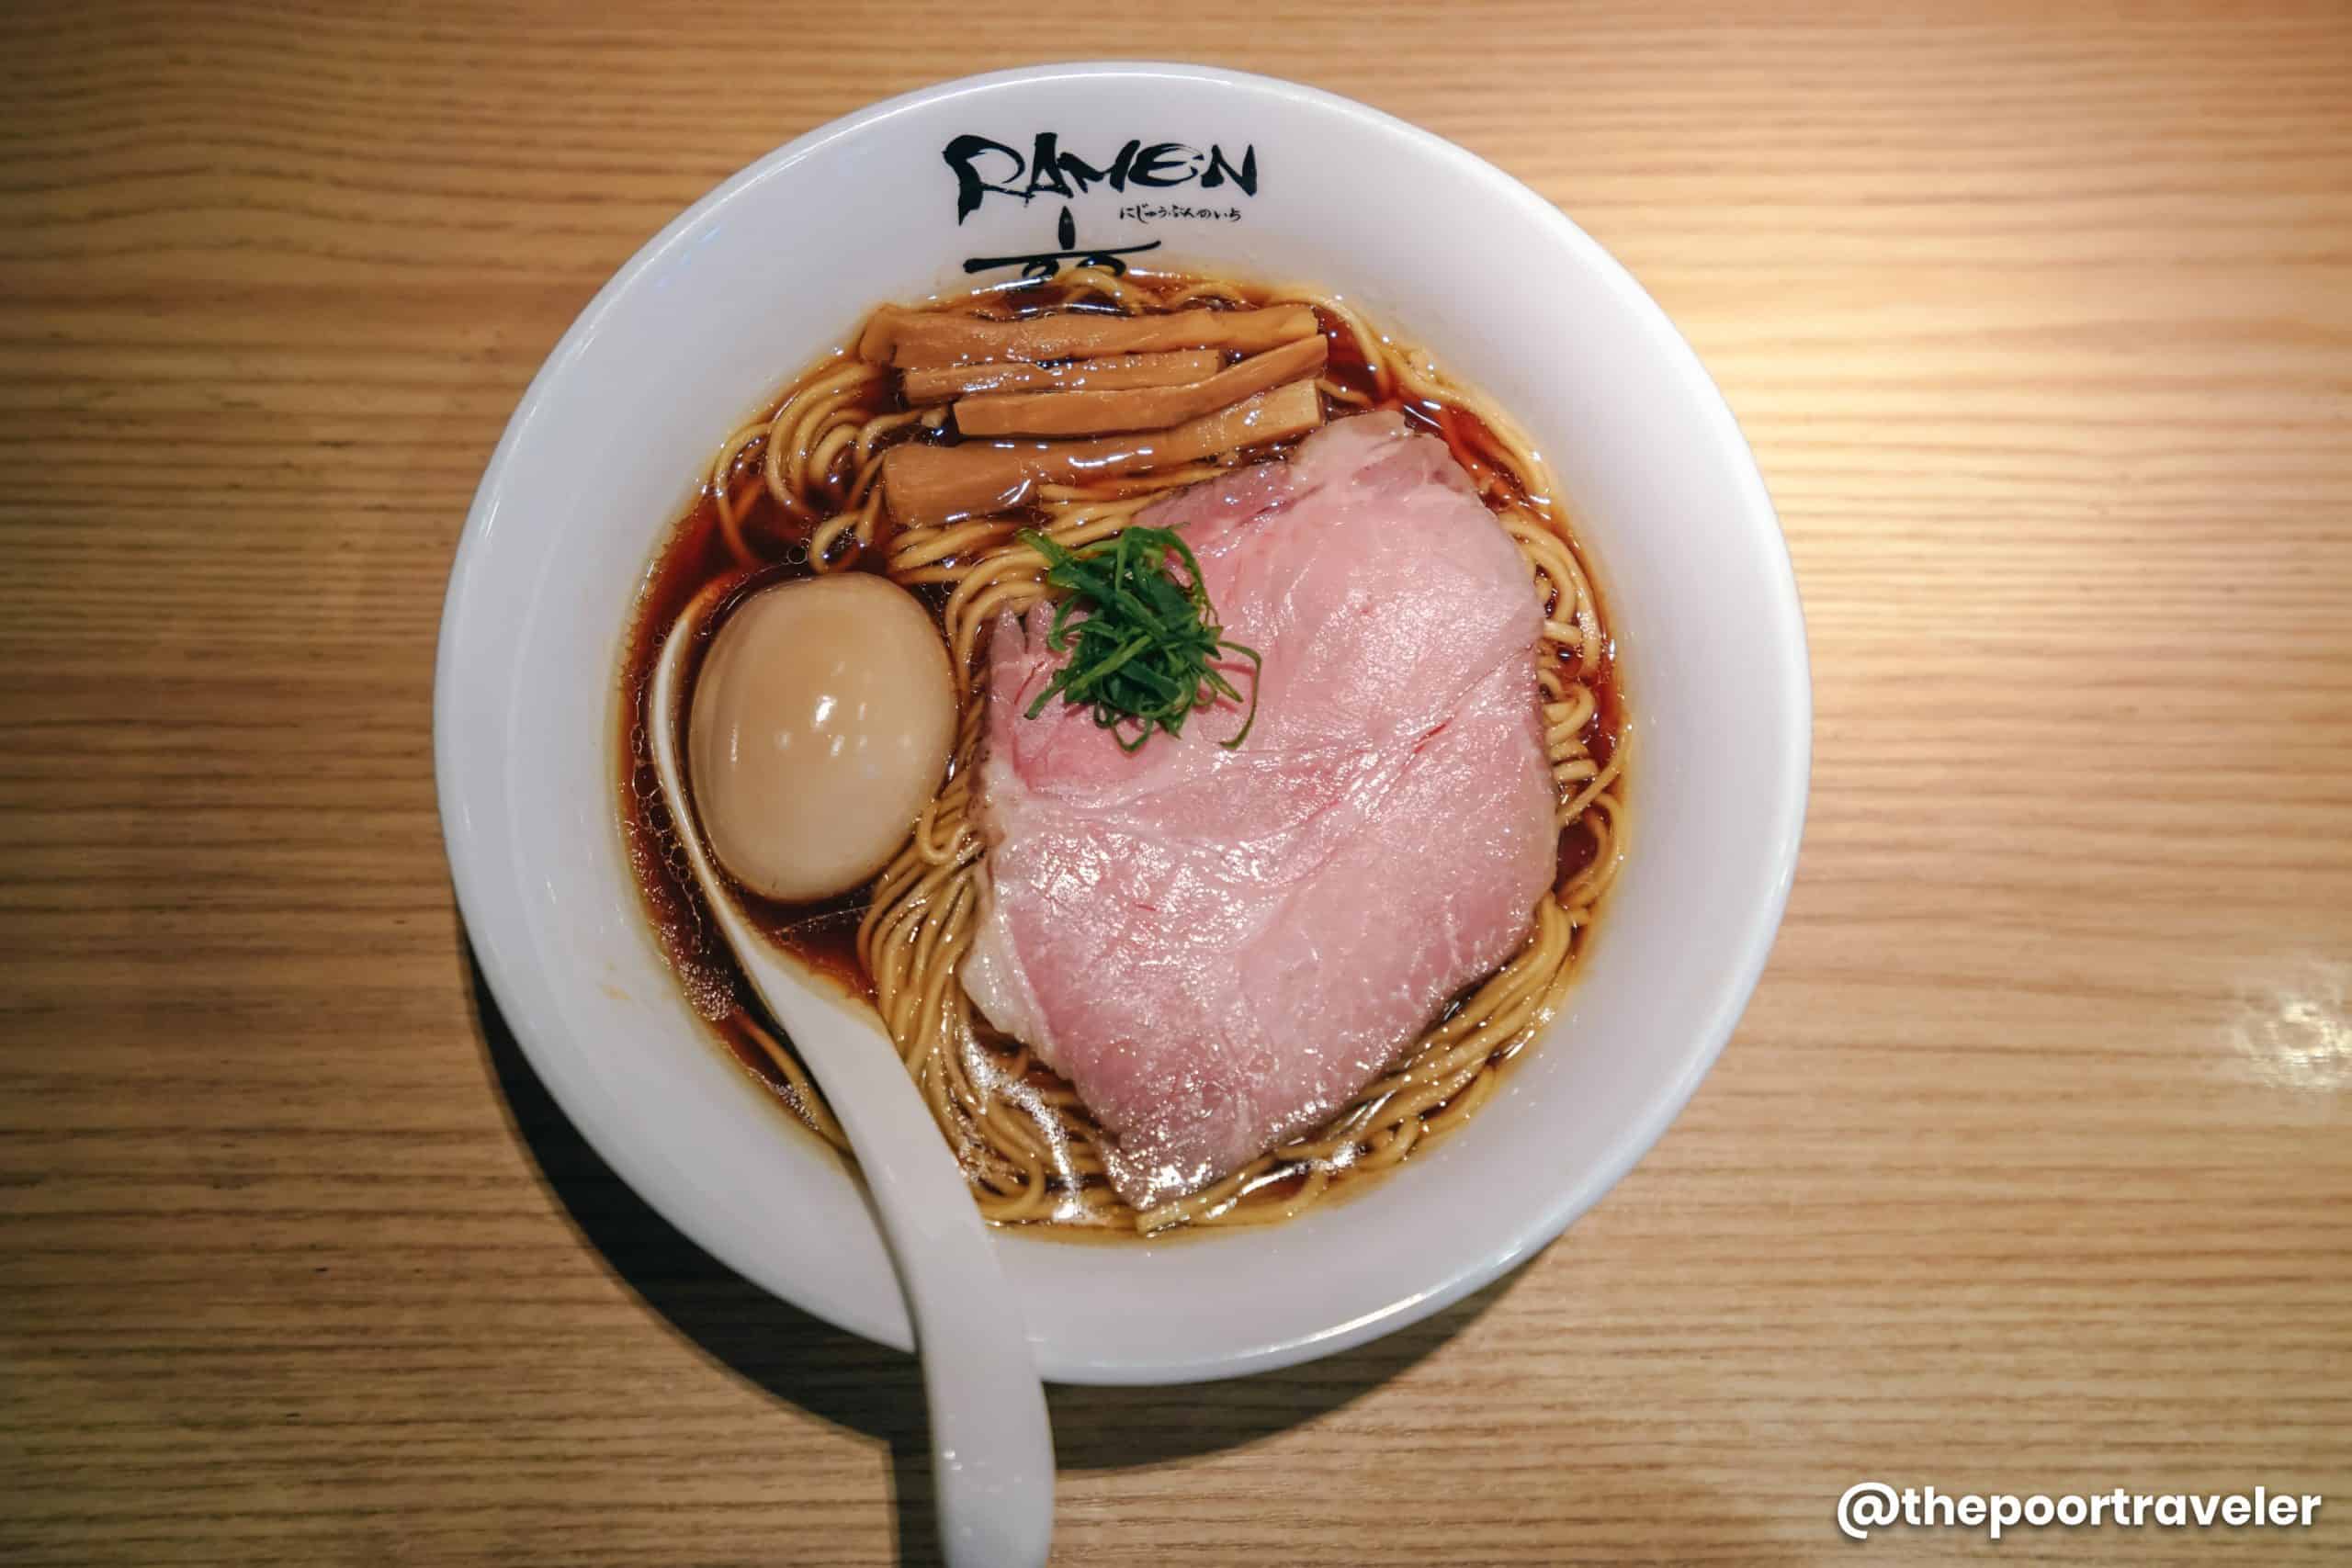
(1220, 948)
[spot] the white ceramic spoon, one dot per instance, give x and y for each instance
(992, 1450)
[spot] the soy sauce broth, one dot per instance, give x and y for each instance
(694, 555)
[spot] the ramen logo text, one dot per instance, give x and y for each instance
(985, 168)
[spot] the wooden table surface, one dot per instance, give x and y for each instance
(2030, 1169)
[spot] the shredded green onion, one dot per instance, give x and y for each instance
(1144, 653)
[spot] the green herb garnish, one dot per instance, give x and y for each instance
(1147, 647)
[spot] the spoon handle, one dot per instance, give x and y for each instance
(992, 1451)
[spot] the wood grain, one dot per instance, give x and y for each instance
(2031, 1167)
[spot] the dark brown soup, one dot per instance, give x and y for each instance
(696, 554)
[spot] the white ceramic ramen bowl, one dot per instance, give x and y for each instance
(729, 302)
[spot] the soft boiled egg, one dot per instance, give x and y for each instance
(819, 729)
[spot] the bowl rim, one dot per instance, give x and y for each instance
(471, 846)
